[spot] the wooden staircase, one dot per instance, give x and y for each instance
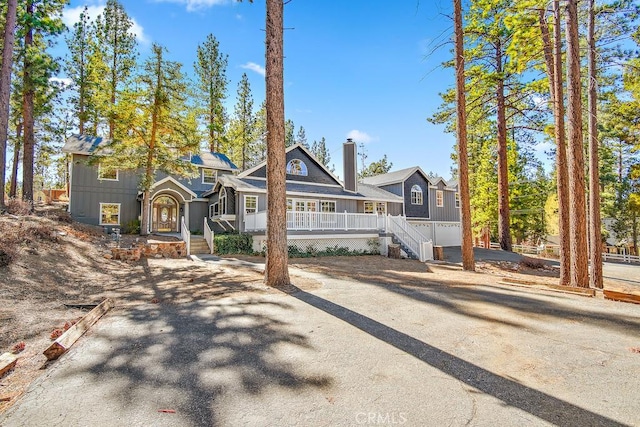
(199, 245)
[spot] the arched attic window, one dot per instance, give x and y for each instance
(296, 167)
(416, 195)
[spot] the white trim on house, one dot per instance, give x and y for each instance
(170, 190)
(119, 213)
(176, 182)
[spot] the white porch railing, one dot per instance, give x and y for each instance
(208, 235)
(185, 234)
(620, 257)
(316, 221)
(409, 235)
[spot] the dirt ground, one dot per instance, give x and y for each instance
(56, 263)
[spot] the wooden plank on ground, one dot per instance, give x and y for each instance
(621, 296)
(67, 339)
(568, 289)
(82, 306)
(7, 362)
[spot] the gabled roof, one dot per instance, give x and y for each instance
(293, 147)
(394, 177)
(174, 182)
(87, 145)
(257, 185)
(450, 185)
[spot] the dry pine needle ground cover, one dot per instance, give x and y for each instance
(47, 261)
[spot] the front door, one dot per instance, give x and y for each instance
(165, 213)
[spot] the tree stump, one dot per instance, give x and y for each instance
(394, 251)
(438, 253)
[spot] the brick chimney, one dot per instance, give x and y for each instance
(350, 170)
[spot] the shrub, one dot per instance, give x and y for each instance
(233, 244)
(132, 227)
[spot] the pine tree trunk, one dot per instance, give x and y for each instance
(27, 114)
(468, 262)
(577, 203)
(13, 187)
(276, 270)
(5, 91)
(595, 245)
(553, 59)
(504, 233)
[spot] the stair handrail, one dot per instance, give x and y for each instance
(407, 234)
(185, 234)
(208, 235)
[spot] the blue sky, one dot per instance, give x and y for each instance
(353, 68)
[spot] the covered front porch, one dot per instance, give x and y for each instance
(318, 221)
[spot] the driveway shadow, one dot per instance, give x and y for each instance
(512, 393)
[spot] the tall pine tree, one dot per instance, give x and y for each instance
(211, 69)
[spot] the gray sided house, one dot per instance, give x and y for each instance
(429, 204)
(113, 200)
(322, 211)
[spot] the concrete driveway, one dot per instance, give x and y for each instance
(349, 354)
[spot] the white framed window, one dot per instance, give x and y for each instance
(250, 204)
(439, 198)
(457, 200)
(375, 207)
(213, 210)
(209, 176)
(289, 204)
(105, 175)
(109, 213)
(296, 167)
(416, 195)
(327, 206)
(368, 207)
(222, 201)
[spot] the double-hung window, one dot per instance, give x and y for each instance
(250, 204)
(109, 213)
(208, 176)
